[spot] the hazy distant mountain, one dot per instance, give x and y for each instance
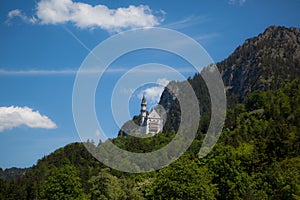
(12, 173)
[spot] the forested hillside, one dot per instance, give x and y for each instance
(261, 63)
(256, 157)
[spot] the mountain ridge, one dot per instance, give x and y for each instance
(262, 62)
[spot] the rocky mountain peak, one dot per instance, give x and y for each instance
(262, 62)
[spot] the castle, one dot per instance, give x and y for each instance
(150, 122)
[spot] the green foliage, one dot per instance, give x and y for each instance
(183, 179)
(3, 189)
(63, 184)
(284, 179)
(106, 186)
(257, 157)
(256, 100)
(142, 145)
(11, 173)
(231, 173)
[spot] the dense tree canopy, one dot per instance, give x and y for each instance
(63, 184)
(257, 157)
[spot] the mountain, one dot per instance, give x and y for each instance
(262, 62)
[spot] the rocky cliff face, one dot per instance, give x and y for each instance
(262, 62)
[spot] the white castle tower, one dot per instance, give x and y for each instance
(152, 122)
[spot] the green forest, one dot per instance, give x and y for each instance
(256, 157)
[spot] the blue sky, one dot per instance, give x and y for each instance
(43, 44)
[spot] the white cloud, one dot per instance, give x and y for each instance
(88, 16)
(163, 82)
(18, 13)
(13, 116)
(206, 36)
(241, 2)
(153, 94)
(34, 72)
(31, 72)
(187, 22)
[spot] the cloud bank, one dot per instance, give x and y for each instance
(13, 116)
(84, 15)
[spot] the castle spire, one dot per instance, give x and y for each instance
(143, 110)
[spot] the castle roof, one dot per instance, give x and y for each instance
(154, 114)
